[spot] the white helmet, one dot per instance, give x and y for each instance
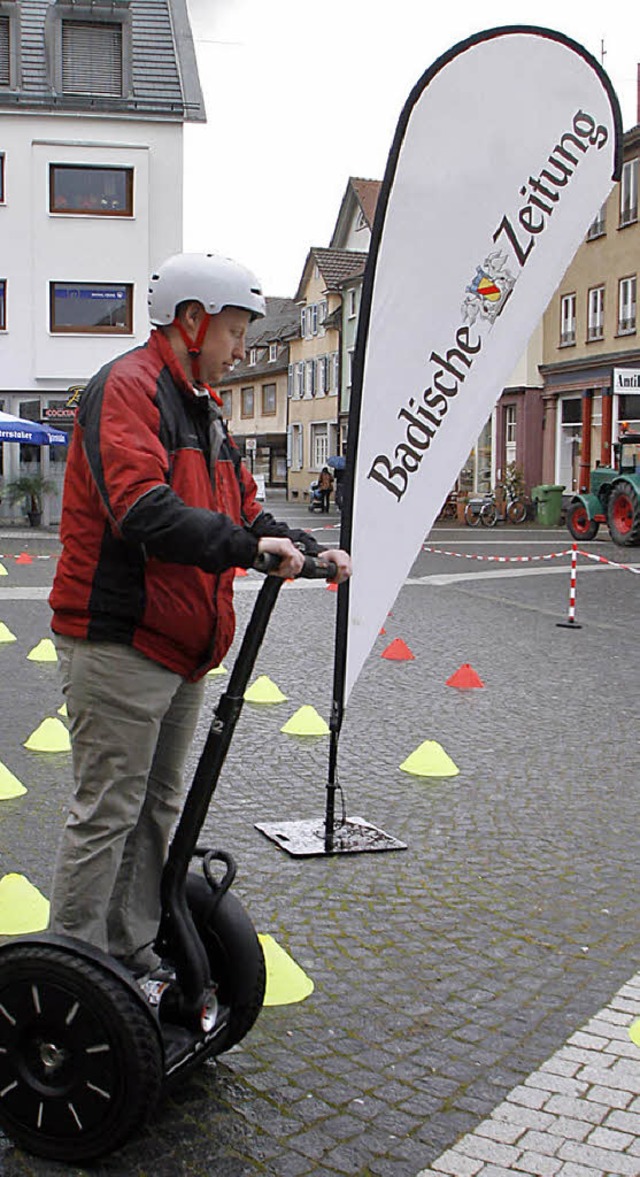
(209, 278)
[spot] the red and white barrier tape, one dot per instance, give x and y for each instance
(530, 559)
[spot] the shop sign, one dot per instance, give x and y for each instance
(626, 379)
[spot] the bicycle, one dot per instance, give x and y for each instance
(502, 506)
(474, 509)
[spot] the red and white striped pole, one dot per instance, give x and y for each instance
(571, 622)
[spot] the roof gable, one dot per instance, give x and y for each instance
(356, 213)
(335, 266)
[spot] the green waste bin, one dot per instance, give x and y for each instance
(548, 500)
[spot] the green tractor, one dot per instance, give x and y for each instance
(613, 497)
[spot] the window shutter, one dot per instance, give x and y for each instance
(91, 58)
(4, 51)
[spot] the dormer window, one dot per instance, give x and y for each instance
(92, 58)
(5, 55)
(273, 352)
(253, 351)
(89, 48)
(9, 44)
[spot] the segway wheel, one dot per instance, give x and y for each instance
(235, 956)
(81, 1063)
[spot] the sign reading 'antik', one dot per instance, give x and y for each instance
(482, 208)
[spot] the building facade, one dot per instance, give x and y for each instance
(255, 394)
(314, 378)
(93, 98)
(591, 352)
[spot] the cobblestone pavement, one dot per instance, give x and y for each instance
(446, 974)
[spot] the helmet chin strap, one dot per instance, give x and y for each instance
(194, 346)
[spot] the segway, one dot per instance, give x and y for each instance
(85, 1054)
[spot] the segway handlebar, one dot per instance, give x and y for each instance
(312, 569)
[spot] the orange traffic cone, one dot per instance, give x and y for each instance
(465, 678)
(397, 651)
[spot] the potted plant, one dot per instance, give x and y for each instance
(31, 488)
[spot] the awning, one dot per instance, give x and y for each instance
(29, 432)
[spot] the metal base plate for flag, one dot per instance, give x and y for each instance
(306, 839)
(568, 625)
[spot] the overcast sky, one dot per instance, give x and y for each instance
(300, 96)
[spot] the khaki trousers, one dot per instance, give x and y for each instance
(131, 726)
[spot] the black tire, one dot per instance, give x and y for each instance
(471, 517)
(623, 515)
(517, 511)
(235, 956)
(81, 1062)
(581, 527)
(489, 515)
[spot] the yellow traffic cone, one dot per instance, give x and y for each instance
(286, 981)
(50, 736)
(10, 786)
(430, 759)
(45, 651)
(306, 722)
(22, 907)
(263, 690)
(5, 633)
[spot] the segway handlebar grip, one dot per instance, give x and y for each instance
(312, 569)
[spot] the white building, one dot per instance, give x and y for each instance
(93, 100)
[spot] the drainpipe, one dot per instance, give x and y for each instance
(607, 420)
(585, 445)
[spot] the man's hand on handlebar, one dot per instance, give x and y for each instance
(291, 558)
(342, 561)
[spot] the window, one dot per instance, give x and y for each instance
(268, 400)
(626, 305)
(92, 58)
(291, 376)
(5, 51)
(273, 352)
(246, 402)
(567, 319)
(322, 375)
(3, 304)
(252, 356)
(350, 355)
(335, 372)
(101, 191)
(509, 434)
(294, 446)
(97, 308)
(2, 199)
(322, 314)
(595, 313)
(319, 445)
(299, 380)
(227, 404)
(597, 227)
(309, 320)
(352, 304)
(629, 193)
(310, 378)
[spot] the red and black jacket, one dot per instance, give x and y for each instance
(158, 509)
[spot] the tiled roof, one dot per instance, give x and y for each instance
(335, 265)
(282, 321)
(280, 324)
(164, 76)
